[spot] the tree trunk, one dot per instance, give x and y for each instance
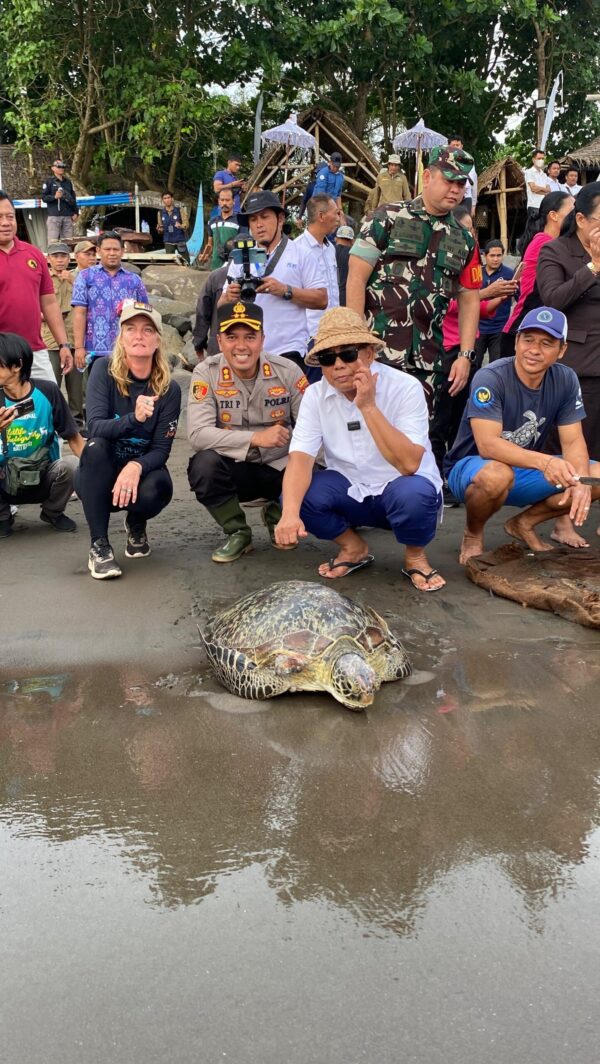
(359, 117)
(174, 161)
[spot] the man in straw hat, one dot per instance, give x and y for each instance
(391, 185)
(381, 473)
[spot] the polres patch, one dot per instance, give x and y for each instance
(301, 384)
(482, 396)
(199, 390)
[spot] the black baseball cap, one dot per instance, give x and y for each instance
(239, 313)
(262, 201)
(336, 157)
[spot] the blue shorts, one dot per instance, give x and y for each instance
(530, 486)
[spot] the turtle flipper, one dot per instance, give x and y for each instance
(241, 675)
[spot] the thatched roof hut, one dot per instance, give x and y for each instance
(586, 159)
(501, 198)
(331, 134)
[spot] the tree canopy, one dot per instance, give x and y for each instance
(143, 89)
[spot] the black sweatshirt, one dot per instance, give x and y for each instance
(110, 415)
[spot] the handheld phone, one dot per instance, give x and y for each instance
(26, 406)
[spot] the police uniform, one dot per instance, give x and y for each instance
(224, 412)
(420, 262)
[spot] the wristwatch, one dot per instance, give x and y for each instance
(467, 354)
(288, 294)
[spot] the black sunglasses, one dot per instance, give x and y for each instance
(328, 358)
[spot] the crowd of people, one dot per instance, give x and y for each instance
(340, 382)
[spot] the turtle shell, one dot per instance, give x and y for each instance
(295, 616)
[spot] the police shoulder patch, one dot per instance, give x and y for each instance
(267, 371)
(301, 384)
(199, 390)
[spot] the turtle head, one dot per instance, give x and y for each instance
(353, 681)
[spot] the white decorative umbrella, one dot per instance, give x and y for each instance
(418, 139)
(293, 136)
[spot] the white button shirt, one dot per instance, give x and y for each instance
(323, 421)
(324, 254)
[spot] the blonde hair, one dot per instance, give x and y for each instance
(160, 377)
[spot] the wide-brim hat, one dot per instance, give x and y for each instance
(131, 309)
(340, 327)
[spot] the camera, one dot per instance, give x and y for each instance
(249, 260)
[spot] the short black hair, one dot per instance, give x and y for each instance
(15, 351)
(572, 170)
(537, 151)
(234, 157)
(5, 196)
(553, 162)
(109, 235)
(319, 202)
(493, 244)
(456, 136)
(167, 192)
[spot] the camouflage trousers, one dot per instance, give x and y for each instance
(431, 379)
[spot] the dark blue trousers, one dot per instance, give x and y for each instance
(408, 506)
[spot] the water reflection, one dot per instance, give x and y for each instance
(493, 756)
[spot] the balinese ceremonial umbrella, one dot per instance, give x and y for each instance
(293, 136)
(418, 139)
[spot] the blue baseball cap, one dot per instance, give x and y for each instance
(548, 320)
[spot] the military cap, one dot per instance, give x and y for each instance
(454, 163)
(58, 248)
(239, 313)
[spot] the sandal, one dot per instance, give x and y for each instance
(409, 573)
(352, 567)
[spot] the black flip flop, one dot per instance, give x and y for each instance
(352, 567)
(409, 573)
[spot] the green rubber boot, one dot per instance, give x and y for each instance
(271, 516)
(232, 519)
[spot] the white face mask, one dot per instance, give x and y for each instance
(539, 164)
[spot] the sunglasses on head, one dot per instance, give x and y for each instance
(328, 358)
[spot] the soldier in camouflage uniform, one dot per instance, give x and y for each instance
(409, 260)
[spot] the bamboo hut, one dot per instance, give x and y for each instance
(501, 200)
(586, 159)
(331, 134)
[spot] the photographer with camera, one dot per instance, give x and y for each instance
(292, 282)
(243, 405)
(33, 415)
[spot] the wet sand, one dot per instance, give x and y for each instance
(189, 877)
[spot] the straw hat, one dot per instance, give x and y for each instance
(338, 327)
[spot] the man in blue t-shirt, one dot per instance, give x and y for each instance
(497, 458)
(229, 178)
(497, 280)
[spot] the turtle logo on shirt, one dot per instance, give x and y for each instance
(528, 432)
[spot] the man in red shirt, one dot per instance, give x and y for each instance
(27, 295)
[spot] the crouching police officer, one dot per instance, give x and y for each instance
(243, 405)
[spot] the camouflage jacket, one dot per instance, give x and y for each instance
(420, 261)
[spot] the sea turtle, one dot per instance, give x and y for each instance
(300, 636)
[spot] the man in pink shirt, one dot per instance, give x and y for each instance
(27, 295)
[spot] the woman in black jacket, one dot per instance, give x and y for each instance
(132, 412)
(568, 279)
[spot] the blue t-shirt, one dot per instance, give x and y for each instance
(526, 414)
(491, 326)
(49, 419)
(328, 182)
(227, 177)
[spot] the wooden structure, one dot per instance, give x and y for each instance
(331, 134)
(501, 199)
(587, 161)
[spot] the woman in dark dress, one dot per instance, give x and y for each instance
(568, 278)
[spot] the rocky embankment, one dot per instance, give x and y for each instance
(174, 291)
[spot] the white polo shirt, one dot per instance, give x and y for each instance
(325, 416)
(535, 177)
(285, 324)
(325, 254)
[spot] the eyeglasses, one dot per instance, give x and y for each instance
(328, 358)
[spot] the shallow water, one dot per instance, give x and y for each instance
(189, 877)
